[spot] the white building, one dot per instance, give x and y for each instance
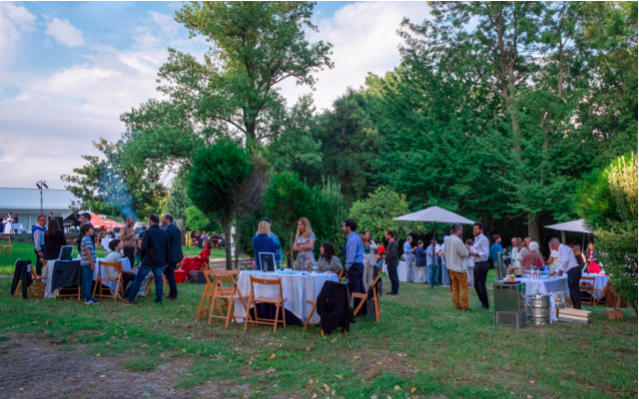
(25, 202)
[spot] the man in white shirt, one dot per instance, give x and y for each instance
(568, 264)
(480, 251)
(456, 254)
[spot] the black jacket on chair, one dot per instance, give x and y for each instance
(175, 241)
(155, 249)
(22, 273)
(334, 308)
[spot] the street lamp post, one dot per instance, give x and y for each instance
(42, 184)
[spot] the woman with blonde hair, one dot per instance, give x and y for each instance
(516, 256)
(304, 243)
(262, 242)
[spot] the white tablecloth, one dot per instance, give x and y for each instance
(17, 227)
(545, 286)
(297, 288)
(402, 272)
(47, 273)
(600, 282)
(126, 266)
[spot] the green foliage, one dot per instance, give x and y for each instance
(618, 244)
(196, 220)
(286, 200)
(178, 200)
(114, 188)
(328, 213)
(376, 213)
(217, 172)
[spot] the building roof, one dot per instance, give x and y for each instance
(28, 199)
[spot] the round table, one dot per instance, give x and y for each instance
(297, 287)
(48, 272)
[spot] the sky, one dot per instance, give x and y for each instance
(69, 69)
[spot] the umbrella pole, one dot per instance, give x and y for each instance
(435, 231)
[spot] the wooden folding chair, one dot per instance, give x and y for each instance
(100, 279)
(218, 295)
(278, 302)
(364, 297)
(37, 280)
(7, 246)
(592, 300)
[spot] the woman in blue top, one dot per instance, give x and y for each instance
(262, 242)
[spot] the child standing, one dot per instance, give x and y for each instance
(87, 254)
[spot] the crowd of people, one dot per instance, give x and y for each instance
(454, 263)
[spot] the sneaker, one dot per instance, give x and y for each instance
(127, 302)
(90, 302)
(468, 310)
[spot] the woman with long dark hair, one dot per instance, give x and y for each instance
(328, 261)
(54, 239)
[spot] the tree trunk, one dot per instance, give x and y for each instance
(533, 227)
(227, 243)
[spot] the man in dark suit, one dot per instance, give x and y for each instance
(175, 241)
(156, 253)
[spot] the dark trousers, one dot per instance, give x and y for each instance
(355, 276)
(129, 253)
(394, 278)
(481, 271)
(169, 272)
(87, 282)
(38, 263)
(142, 272)
(574, 276)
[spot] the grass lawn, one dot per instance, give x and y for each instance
(25, 251)
(422, 348)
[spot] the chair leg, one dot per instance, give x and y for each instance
(215, 301)
(248, 314)
(277, 312)
(377, 314)
(359, 307)
(283, 315)
(197, 317)
(310, 316)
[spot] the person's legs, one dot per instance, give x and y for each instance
(356, 280)
(38, 263)
(87, 283)
(142, 272)
(126, 278)
(129, 253)
(454, 283)
(170, 277)
(574, 276)
(463, 280)
(159, 283)
(410, 271)
(434, 278)
(471, 277)
(445, 275)
(420, 274)
(369, 266)
(392, 275)
(481, 271)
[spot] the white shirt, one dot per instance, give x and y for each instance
(481, 247)
(455, 253)
(112, 272)
(567, 258)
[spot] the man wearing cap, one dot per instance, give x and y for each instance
(276, 241)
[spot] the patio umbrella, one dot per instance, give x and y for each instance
(436, 215)
(575, 226)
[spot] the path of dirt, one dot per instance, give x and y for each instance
(32, 368)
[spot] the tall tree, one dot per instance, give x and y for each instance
(114, 188)
(217, 173)
(254, 47)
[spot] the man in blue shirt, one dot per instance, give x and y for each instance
(354, 258)
(495, 250)
(409, 258)
(432, 261)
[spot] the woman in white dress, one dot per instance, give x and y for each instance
(304, 244)
(369, 259)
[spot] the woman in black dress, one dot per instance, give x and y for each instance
(54, 239)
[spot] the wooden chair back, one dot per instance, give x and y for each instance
(364, 297)
(593, 297)
(100, 279)
(278, 302)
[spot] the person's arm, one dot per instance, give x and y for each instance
(563, 263)
(373, 246)
(144, 248)
(461, 250)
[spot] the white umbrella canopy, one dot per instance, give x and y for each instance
(434, 214)
(576, 226)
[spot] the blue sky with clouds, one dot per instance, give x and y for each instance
(69, 69)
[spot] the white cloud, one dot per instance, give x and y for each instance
(64, 32)
(365, 40)
(14, 21)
